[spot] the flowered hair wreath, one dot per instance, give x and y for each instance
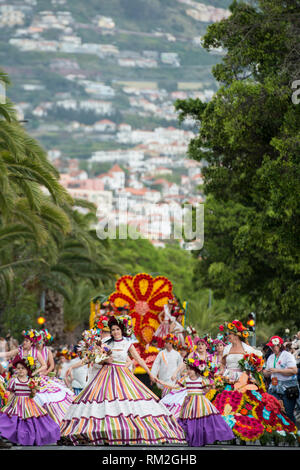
(33, 335)
(236, 327)
(170, 338)
(102, 323)
(204, 368)
(206, 339)
(28, 362)
(46, 336)
(122, 321)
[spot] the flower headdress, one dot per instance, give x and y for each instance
(170, 338)
(64, 352)
(236, 327)
(275, 341)
(32, 334)
(206, 339)
(47, 337)
(28, 362)
(102, 323)
(204, 368)
(124, 322)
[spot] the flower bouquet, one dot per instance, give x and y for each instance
(102, 353)
(219, 382)
(90, 348)
(34, 385)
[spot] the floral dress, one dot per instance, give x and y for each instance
(251, 412)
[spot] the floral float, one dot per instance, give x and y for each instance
(251, 412)
(146, 297)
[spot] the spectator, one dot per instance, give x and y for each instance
(281, 369)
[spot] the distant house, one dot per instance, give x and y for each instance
(114, 179)
(105, 125)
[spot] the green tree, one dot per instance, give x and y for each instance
(249, 138)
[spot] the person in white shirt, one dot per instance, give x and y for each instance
(281, 368)
(166, 362)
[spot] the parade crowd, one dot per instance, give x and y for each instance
(182, 388)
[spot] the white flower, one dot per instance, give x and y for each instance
(275, 341)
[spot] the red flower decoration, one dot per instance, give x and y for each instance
(248, 429)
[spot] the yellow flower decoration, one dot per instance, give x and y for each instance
(230, 326)
(30, 360)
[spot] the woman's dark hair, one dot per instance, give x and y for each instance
(114, 322)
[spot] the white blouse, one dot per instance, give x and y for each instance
(232, 368)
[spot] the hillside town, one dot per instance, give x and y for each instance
(147, 166)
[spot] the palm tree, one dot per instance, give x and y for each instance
(44, 236)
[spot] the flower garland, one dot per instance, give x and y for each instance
(204, 368)
(235, 327)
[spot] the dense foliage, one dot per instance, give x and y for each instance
(249, 137)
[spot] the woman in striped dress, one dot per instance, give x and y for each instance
(53, 394)
(199, 418)
(22, 420)
(116, 408)
(27, 348)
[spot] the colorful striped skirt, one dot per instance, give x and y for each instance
(24, 422)
(174, 401)
(55, 397)
(202, 422)
(116, 408)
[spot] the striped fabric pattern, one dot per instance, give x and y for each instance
(23, 407)
(197, 406)
(130, 430)
(115, 383)
(117, 408)
(57, 410)
(20, 404)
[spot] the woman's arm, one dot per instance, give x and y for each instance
(51, 362)
(286, 372)
(166, 385)
(9, 354)
(179, 369)
(135, 355)
(43, 367)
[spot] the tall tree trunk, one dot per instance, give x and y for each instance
(54, 313)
